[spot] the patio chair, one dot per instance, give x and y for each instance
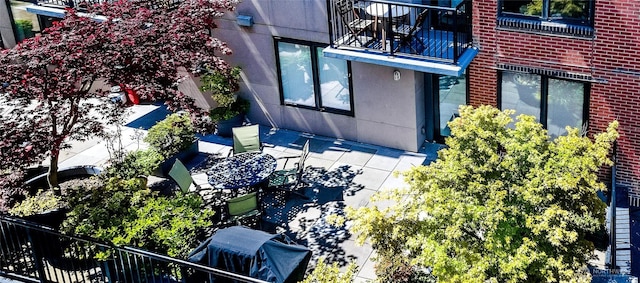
(246, 139)
(290, 180)
(244, 207)
(181, 175)
(407, 33)
(352, 21)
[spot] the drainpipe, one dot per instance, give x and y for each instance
(612, 263)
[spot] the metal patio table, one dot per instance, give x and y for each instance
(241, 170)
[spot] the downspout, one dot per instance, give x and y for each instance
(612, 263)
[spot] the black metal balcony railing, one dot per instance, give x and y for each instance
(32, 253)
(400, 29)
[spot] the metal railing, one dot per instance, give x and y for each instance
(34, 253)
(401, 29)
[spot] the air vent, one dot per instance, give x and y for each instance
(547, 72)
(528, 25)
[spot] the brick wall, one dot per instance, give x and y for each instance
(611, 58)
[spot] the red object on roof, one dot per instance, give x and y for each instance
(132, 96)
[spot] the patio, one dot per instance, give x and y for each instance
(340, 173)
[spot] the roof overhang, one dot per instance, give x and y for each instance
(58, 12)
(416, 64)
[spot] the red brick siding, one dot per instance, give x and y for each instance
(612, 58)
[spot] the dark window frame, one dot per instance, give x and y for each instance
(545, 15)
(544, 96)
(316, 78)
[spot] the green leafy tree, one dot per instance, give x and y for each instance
(502, 203)
(325, 273)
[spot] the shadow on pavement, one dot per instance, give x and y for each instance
(305, 220)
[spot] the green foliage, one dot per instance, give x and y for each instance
(137, 163)
(241, 105)
(559, 8)
(124, 214)
(25, 25)
(42, 201)
(396, 268)
(222, 85)
(171, 135)
(500, 204)
(324, 273)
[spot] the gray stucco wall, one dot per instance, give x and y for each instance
(387, 112)
(6, 31)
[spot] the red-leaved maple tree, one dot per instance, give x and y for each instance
(48, 95)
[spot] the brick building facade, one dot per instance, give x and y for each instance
(603, 55)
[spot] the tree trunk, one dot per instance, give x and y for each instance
(52, 178)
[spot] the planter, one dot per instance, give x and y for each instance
(40, 181)
(23, 32)
(224, 126)
(52, 218)
(184, 156)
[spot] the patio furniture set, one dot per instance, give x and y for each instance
(234, 182)
(233, 188)
(388, 25)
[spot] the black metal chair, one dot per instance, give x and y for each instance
(407, 33)
(355, 25)
(290, 180)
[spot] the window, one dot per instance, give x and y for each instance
(452, 92)
(25, 24)
(310, 80)
(556, 103)
(570, 11)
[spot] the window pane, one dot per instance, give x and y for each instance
(569, 9)
(566, 102)
(529, 8)
(26, 23)
(452, 94)
(334, 82)
(297, 76)
(521, 92)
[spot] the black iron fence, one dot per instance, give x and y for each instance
(401, 29)
(34, 253)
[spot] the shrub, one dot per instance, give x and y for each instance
(123, 213)
(222, 85)
(42, 201)
(324, 273)
(171, 135)
(241, 105)
(396, 268)
(137, 163)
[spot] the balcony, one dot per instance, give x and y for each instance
(425, 38)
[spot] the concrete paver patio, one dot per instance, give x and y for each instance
(343, 173)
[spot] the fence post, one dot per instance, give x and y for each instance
(37, 258)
